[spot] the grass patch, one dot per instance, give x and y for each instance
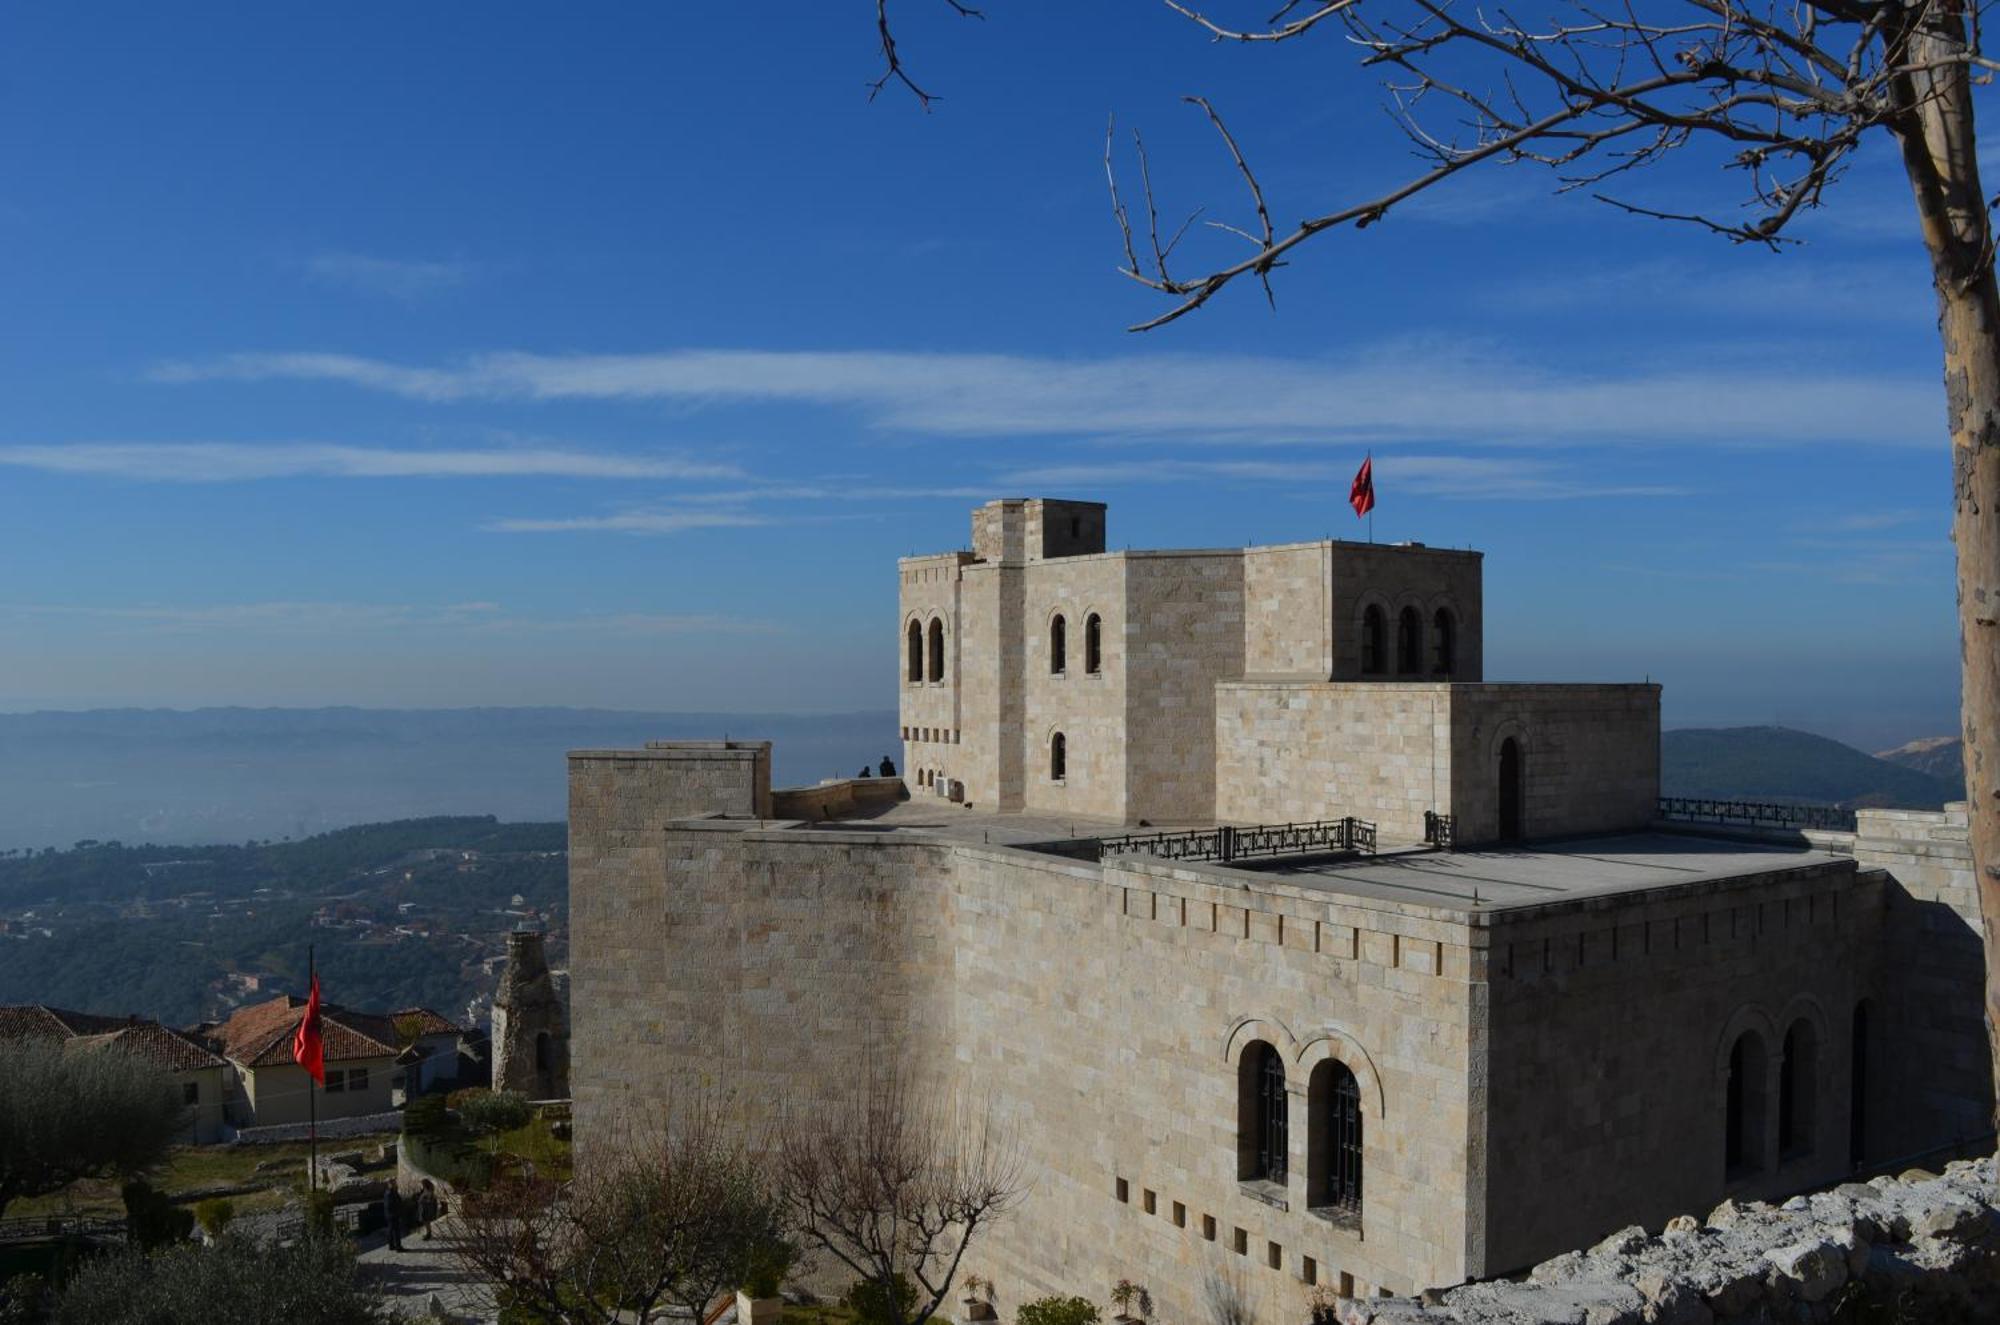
(188, 1169)
(825, 1313)
(537, 1144)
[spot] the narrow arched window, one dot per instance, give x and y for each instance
(1093, 644)
(543, 1062)
(1798, 1081)
(1374, 641)
(1444, 642)
(1409, 641)
(1261, 1115)
(937, 649)
(1058, 757)
(1333, 1140)
(1058, 645)
(1743, 1108)
(914, 670)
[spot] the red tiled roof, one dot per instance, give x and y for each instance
(260, 1035)
(146, 1040)
(427, 1022)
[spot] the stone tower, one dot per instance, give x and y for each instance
(530, 1027)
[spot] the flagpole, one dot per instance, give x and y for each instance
(312, 1099)
(1371, 495)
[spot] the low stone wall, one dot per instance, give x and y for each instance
(1915, 1248)
(837, 798)
(330, 1129)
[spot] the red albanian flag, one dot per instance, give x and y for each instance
(308, 1049)
(1361, 496)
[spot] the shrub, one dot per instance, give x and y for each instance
(768, 1266)
(881, 1302)
(310, 1282)
(426, 1116)
(495, 1111)
(214, 1215)
(24, 1300)
(1057, 1311)
(65, 1116)
(151, 1219)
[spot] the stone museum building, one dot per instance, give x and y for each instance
(1292, 952)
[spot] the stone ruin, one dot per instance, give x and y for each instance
(1919, 1247)
(530, 1024)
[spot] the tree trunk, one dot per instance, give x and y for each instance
(1939, 152)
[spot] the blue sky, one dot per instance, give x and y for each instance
(609, 355)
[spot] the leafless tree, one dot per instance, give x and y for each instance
(1780, 92)
(80, 1111)
(894, 1183)
(659, 1222)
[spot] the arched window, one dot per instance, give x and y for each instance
(1261, 1115)
(1058, 757)
(1510, 790)
(1798, 1089)
(1333, 1139)
(1857, 1087)
(1058, 645)
(1743, 1108)
(1374, 641)
(937, 649)
(1093, 644)
(914, 671)
(1409, 641)
(1444, 642)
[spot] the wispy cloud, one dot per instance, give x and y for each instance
(350, 618)
(1871, 521)
(398, 278)
(235, 462)
(1410, 391)
(1476, 478)
(631, 522)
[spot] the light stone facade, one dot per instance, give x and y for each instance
(1543, 1038)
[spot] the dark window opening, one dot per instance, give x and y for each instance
(543, 1063)
(1444, 643)
(190, 1092)
(1409, 641)
(1743, 1108)
(1058, 757)
(937, 649)
(1058, 646)
(1510, 790)
(1374, 641)
(1262, 1115)
(1093, 644)
(915, 670)
(1333, 1147)
(1857, 1089)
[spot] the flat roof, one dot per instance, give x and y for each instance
(1538, 873)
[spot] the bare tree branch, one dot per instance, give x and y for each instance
(892, 60)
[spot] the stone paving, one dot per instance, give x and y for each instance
(424, 1273)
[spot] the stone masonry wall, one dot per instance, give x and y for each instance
(1088, 709)
(1288, 752)
(931, 715)
(1590, 757)
(1393, 578)
(1185, 634)
(1288, 612)
(1105, 1012)
(1612, 1020)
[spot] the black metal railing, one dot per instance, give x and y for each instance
(39, 1228)
(1755, 814)
(1437, 830)
(1227, 843)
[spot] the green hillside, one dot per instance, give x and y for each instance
(1779, 764)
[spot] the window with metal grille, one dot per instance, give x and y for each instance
(1272, 1119)
(1058, 645)
(1058, 757)
(1333, 1152)
(1093, 644)
(1374, 641)
(1409, 641)
(937, 650)
(915, 670)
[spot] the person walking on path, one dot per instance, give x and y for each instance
(427, 1207)
(392, 1216)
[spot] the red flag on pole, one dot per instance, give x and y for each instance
(1361, 496)
(308, 1051)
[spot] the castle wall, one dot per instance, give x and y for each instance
(932, 713)
(1612, 1021)
(991, 660)
(1590, 757)
(1104, 1012)
(1289, 752)
(1394, 577)
(1088, 709)
(1288, 612)
(1930, 1032)
(1185, 634)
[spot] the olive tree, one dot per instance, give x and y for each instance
(308, 1282)
(79, 1112)
(1781, 94)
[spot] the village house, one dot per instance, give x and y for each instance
(201, 1076)
(364, 1053)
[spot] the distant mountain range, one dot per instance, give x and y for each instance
(1781, 764)
(232, 774)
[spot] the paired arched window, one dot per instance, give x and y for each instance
(914, 670)
(1409, 641)
(1374, 641)
(1743, 1107)
(1058, 757)
(937, 649)
(1058, 645)
(1093, 644)
(1444, 642)
(1798, 1078)
(1333, 1139)
(1262, 1129)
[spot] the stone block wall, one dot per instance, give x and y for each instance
(1183, 636)
(1392, 578)
(1612, 1021)
(1289, 752)
(931, 714)
(1088, 709)
(1288, 612)
(1590, 757)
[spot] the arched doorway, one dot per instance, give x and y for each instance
(1510, 790)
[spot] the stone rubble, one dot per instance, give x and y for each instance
(1918, 1247)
